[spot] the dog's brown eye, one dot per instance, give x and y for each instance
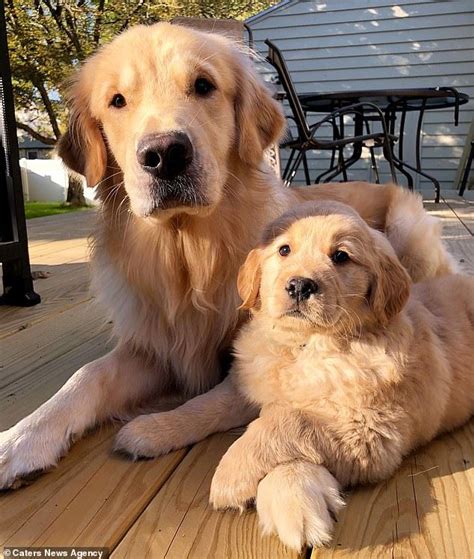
(339, 257)
(118, 101)
(284, 250)
(203, 87)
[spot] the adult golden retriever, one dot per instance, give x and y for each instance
(353, 370)
(171, 125)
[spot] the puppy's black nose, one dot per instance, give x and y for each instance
(165, 156)
(301, 289)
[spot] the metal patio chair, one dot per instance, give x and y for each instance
(363, 114)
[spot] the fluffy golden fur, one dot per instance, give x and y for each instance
(166, 268)
(350, 375)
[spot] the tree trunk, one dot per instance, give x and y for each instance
(75, 192)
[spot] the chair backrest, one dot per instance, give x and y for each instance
(275, 58)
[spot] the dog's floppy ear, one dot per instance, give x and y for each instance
(82, 146)
(248, 280)
(259, 118)
(390, 287)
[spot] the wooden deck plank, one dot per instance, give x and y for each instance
(21, 398)
(425, 511)
(463, 252)
(464, 210)
(456, 235)
(43, 345)
(64, 247)
(179, 521)
(65, 226)
(443, 485)
(67, 285)
(453, 227)
(92, 498)
(58, 247)
(77, 252)
(35, 374)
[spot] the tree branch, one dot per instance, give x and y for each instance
(130, 16)
(47, 105)
(36, 135)
(98, 22)
(56, 13)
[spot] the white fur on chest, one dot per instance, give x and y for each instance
(192, 360)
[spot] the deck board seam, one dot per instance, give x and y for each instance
(184, 516)
(47, 317)
(164, 481)
(459, 219)
(28, 371)
(48, 498)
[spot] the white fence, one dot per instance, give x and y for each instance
(46, 180)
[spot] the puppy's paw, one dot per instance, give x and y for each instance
(232, 488)
(235, 482)
(298, 501)
(149, 436)
(24, 456)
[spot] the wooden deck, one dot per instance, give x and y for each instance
(160, 508)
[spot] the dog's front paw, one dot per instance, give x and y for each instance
(23, 457)
(298, 502)
(233, 485)
(149, 436)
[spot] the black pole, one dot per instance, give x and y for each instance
(17, 281)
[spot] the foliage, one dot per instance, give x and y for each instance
(47, 38)
(42, 209)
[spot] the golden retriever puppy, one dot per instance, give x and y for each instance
(171, 125)
(353, 368)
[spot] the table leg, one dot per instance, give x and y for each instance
(467, 169)
(294, 167)
(388, 151)
(287, 166)
(306, 170)
(429, 177)
(418, 152)
(372, 156)
(398, 161)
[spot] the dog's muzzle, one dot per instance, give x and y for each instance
(170, 161)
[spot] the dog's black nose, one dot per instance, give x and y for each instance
(165, 156)
(301, 288)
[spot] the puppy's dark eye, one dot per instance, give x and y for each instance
(203, 87)
(339, 257)
(118, 101)
(284, 250)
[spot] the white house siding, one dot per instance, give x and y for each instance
(337, 45)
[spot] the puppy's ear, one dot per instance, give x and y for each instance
(391, 284)
(248, 280)
(259, 118)
(82, 146)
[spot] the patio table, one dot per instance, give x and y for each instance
(395, 104)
